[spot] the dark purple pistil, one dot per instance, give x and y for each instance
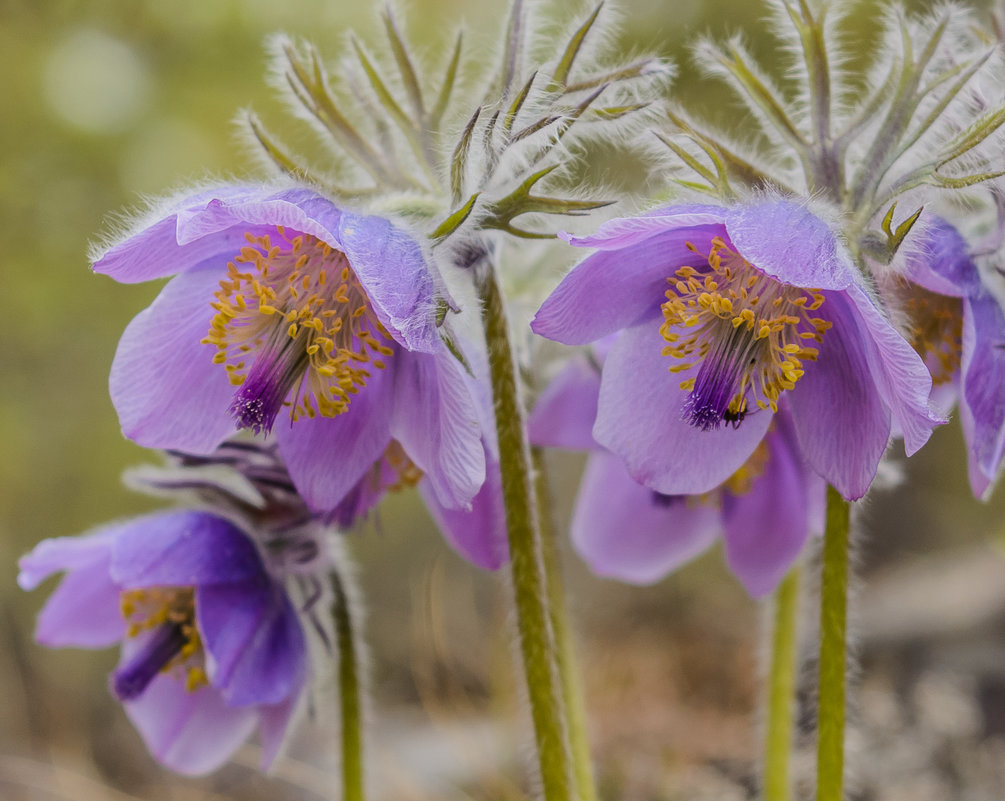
(274, 373)
(130, 680)
(718, 380)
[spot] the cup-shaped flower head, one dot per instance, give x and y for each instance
(957, 326)
(291, 315)
(723, 311)
(764, 511)
(212, 646)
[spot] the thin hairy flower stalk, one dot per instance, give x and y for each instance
(833, 650)
(568, 666)
(777, 785)
(537, 643)
(350, 693)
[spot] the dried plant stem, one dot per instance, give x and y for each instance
(537, 643)
(833, 651)
(568, 672)
(777, 785)
(349, 695)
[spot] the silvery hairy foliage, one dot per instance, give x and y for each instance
(924, 113)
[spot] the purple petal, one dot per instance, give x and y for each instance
(943, 264)
(393, 271)
(302, 210)
(437, 424)
(83, 611)
(626, 531)
(980, 483)
(564, 415)
(840, 419)
(623, 232)
(192, 733)
(154, 251)
(640, 418)
(789, 243)
(274, 726)
(255, 649)
(478, 534)
(66, 553)
(983, 384)
(765, 528)
(183, 549)
(164, 385)
(326, 456)
(901, 377)
(614, 289)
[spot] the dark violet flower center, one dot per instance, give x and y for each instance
(274, 373)
(130, 680)
(742, 332)
(168, 614)
(293, 305)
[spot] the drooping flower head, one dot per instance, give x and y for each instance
(288, 314)
(764, 511)
(958, 327)
(723, 311)
(209, 605)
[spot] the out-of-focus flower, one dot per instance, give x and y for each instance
(283, 300)
(477, 533)
(722, 312)
(212, 645)
(958, 327)
(764, 511)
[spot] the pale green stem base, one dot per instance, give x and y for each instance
(349, 695)
(777, 784)
(833, 634)
(537, 643)
(568, 673)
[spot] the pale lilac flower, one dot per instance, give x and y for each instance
(764, 512)
(958, 327)
(477, 533)
(289, 314)
(212, 646)
(722, 311)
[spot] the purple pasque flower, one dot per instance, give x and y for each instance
(723, 311)
(764, 511)
(288, 314)
(958, 327)
(212, 646)
(477, 533)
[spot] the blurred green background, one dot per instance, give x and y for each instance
(104, 102)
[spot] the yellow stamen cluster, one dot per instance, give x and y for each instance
(153, 607)
(936, 330)
(408, 473)
(739, 313)
(300, 298)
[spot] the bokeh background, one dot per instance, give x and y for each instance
(106, 101)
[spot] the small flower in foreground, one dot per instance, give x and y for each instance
(764, 511)
(722, 312)
(283, 300)
(958, 327)
(212, 646)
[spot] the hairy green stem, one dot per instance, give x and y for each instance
(537, 643)
(777, 785)
(833, 634)
(568, 673)
(349, 695)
